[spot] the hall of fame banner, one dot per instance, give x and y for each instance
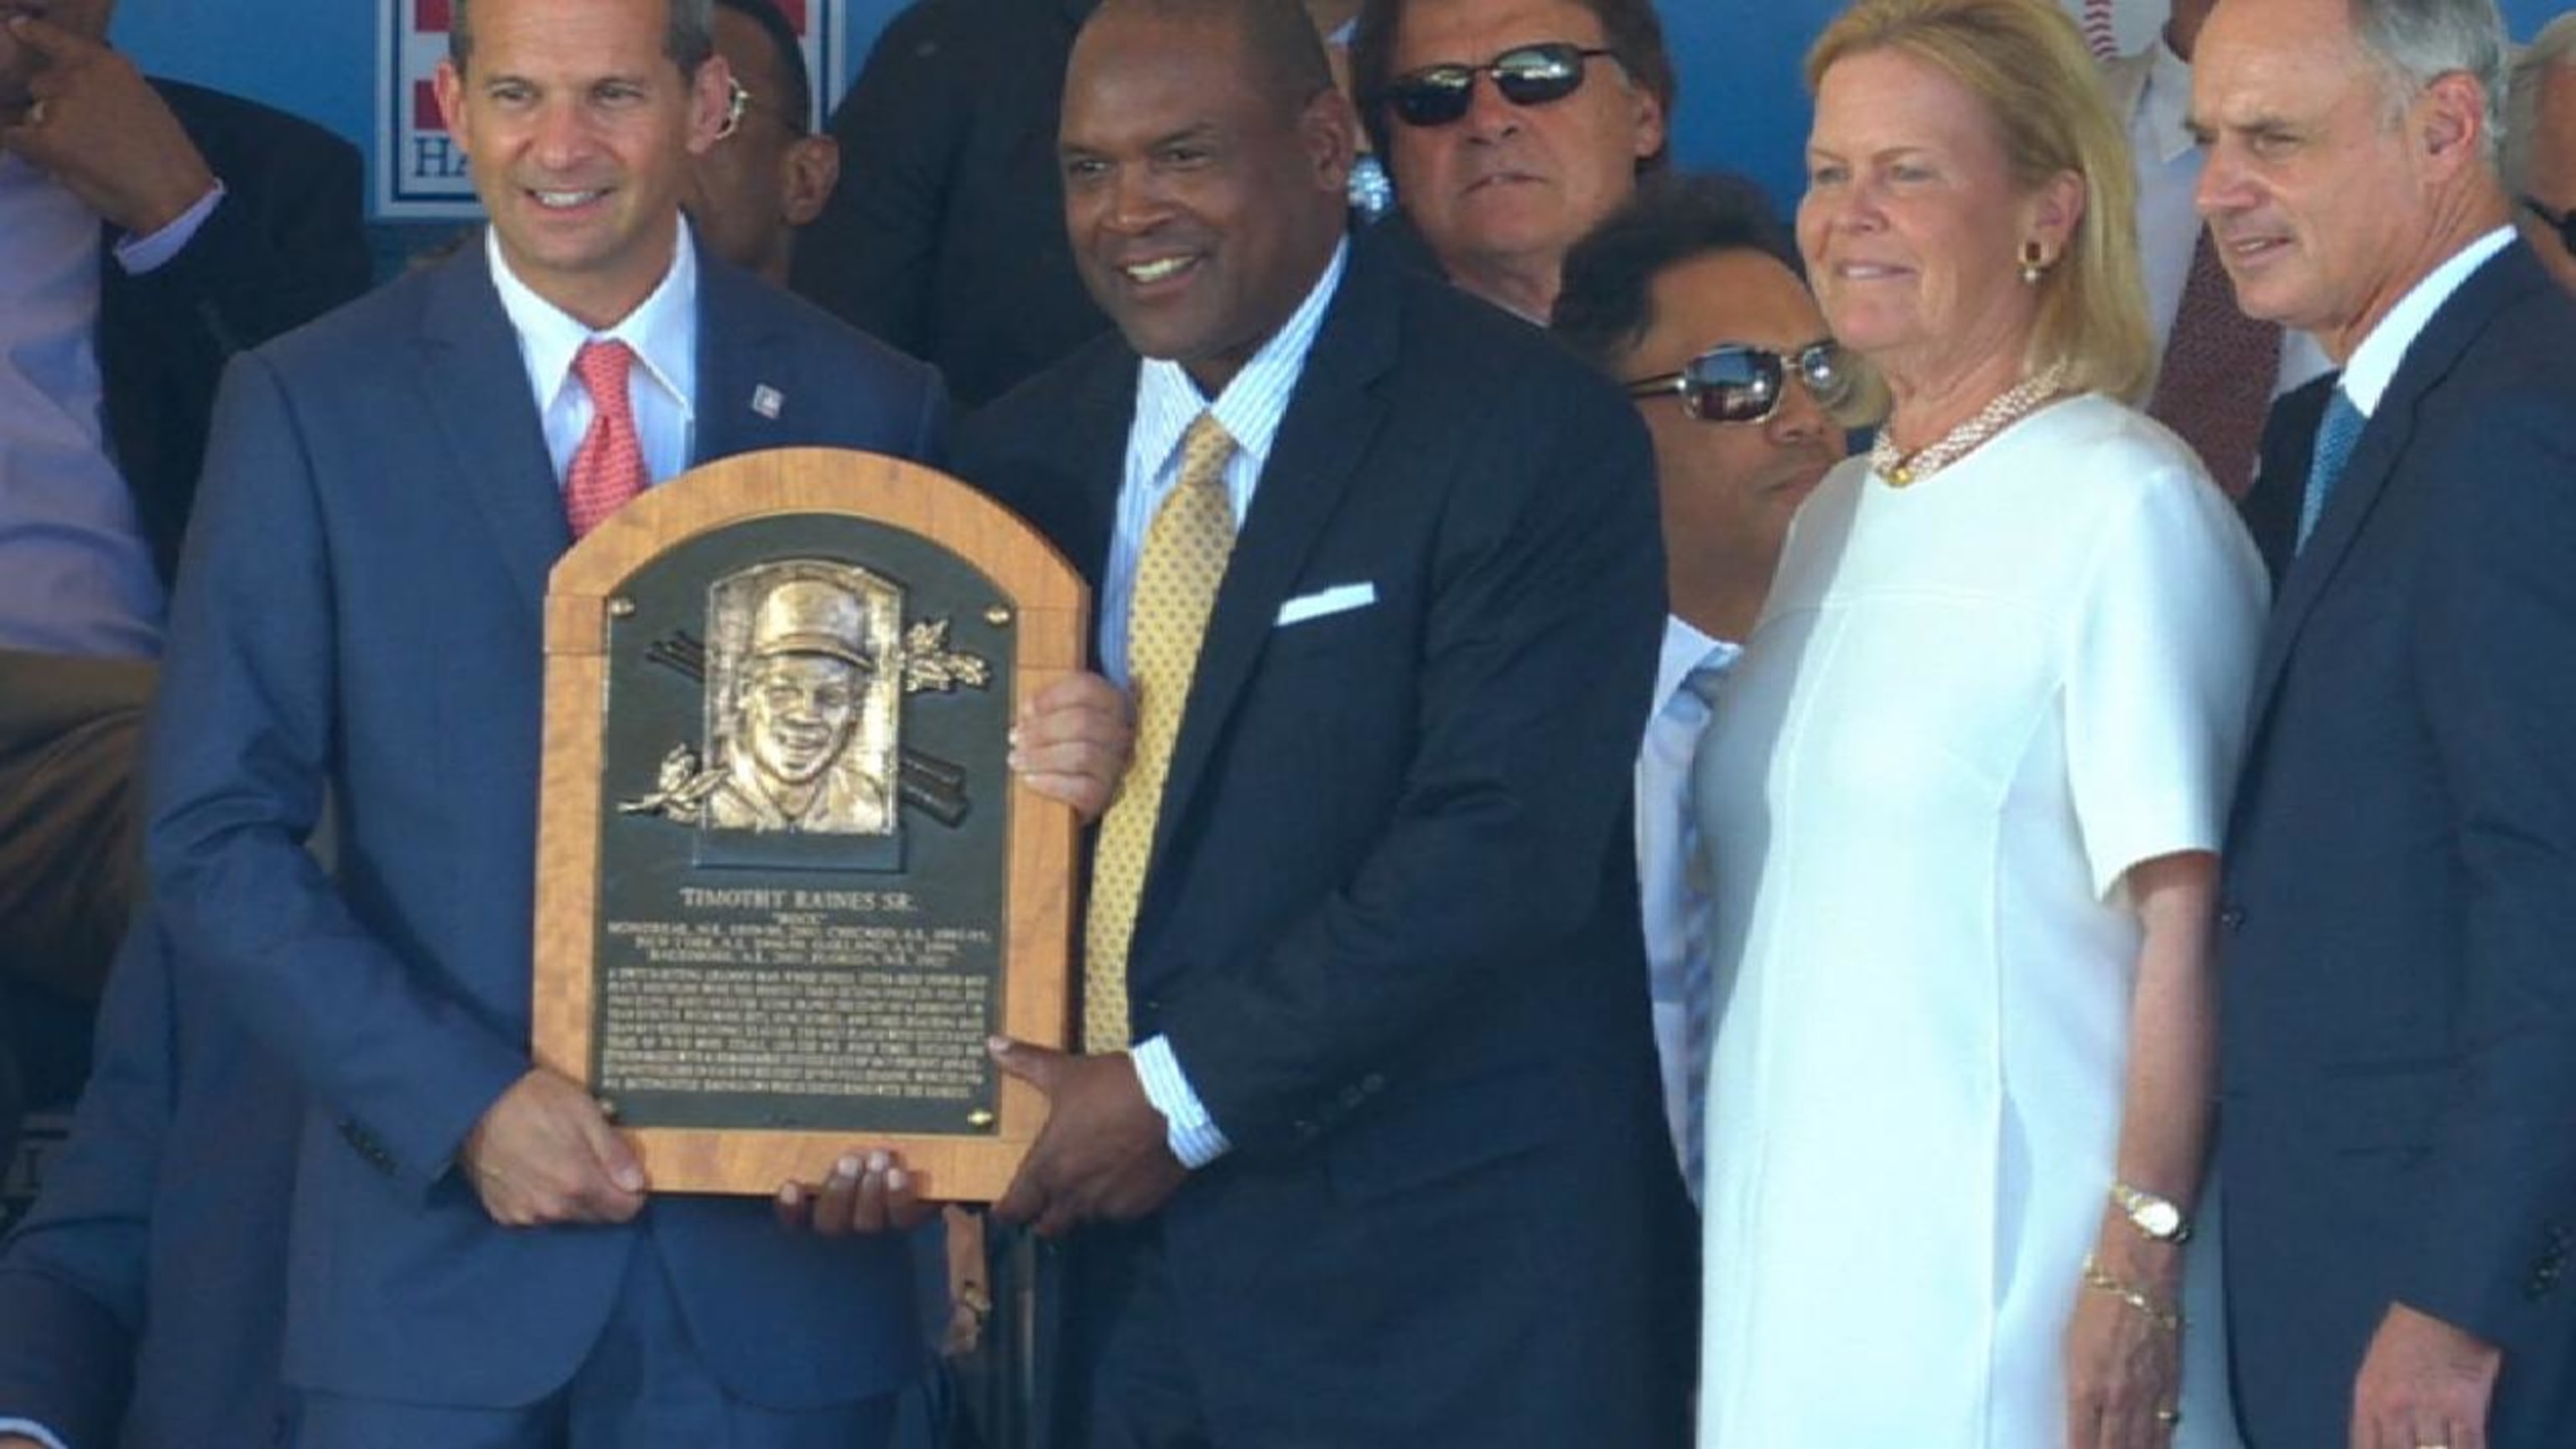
(420, 170)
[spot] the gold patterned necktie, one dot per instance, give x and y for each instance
(1177, 574)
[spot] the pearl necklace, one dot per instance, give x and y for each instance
(2009, 407)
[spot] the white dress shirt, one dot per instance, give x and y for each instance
(1167, 402)
(662, 330)
(2374, 363)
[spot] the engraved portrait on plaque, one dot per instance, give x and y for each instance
(788, 885)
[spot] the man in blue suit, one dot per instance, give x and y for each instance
(474, 1259)
(1366, 1146)
(2398, 1146)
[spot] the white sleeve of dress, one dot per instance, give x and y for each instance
(2161, 662)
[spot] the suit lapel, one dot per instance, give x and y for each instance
(478, 390)
(743, 401)
(2271, 506)
(2434, 353)
(1096, 457)
(1332, 417)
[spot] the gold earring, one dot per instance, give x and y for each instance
(2034, 263)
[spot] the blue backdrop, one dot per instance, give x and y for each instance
(1743, 107)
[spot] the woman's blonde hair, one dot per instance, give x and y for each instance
(2026, 63)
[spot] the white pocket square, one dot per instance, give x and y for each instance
(1339, 599)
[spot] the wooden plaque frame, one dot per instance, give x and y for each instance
(1052, 607)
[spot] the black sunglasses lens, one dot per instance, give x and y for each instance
(1732, 385)
(1529, 75)
(1537, 74)
(1431, 97)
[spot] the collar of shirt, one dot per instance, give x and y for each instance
(1686, 648)
(2165, 106)
(2374, 363)
(1250, 407)
(1167, 402)
(662, 331)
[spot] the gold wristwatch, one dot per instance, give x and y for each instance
(2154, 1216)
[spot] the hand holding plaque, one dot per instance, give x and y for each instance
(788, 882)
(544, 1153)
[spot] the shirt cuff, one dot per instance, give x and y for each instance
(1194, 1136)
(140, 254)
(32, 1430)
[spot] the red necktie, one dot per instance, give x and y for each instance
(2219, 369)
(608, 467)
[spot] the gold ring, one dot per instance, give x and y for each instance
(36, 111)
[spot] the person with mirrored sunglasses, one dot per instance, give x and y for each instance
(2540, 146)
(1511, 127)
(1737, 382)
(1738, 445)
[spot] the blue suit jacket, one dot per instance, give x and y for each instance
(2398, 1040)
(1390, 920)
(145, 1292)
(360, 608)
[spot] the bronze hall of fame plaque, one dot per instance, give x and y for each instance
(787, 884)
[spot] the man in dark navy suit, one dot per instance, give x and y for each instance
(1365, 1147)
(2398, 1139)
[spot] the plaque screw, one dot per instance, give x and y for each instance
(979, 1118)
(608, 1108)
(997, 616)
(621, 607)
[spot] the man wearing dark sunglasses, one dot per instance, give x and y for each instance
(1511, 127)
(1688, 296)
(2540, 146)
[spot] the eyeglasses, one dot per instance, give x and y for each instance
(1527, 75)
(1734, 382)
(2561, 222)
(740, 102)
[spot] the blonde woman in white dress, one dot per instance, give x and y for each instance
(1964, 795)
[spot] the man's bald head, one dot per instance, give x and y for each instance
(1282, 57)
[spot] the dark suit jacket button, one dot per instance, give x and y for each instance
(1352, 1096)
(1373, 1084)
(2232, 918)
